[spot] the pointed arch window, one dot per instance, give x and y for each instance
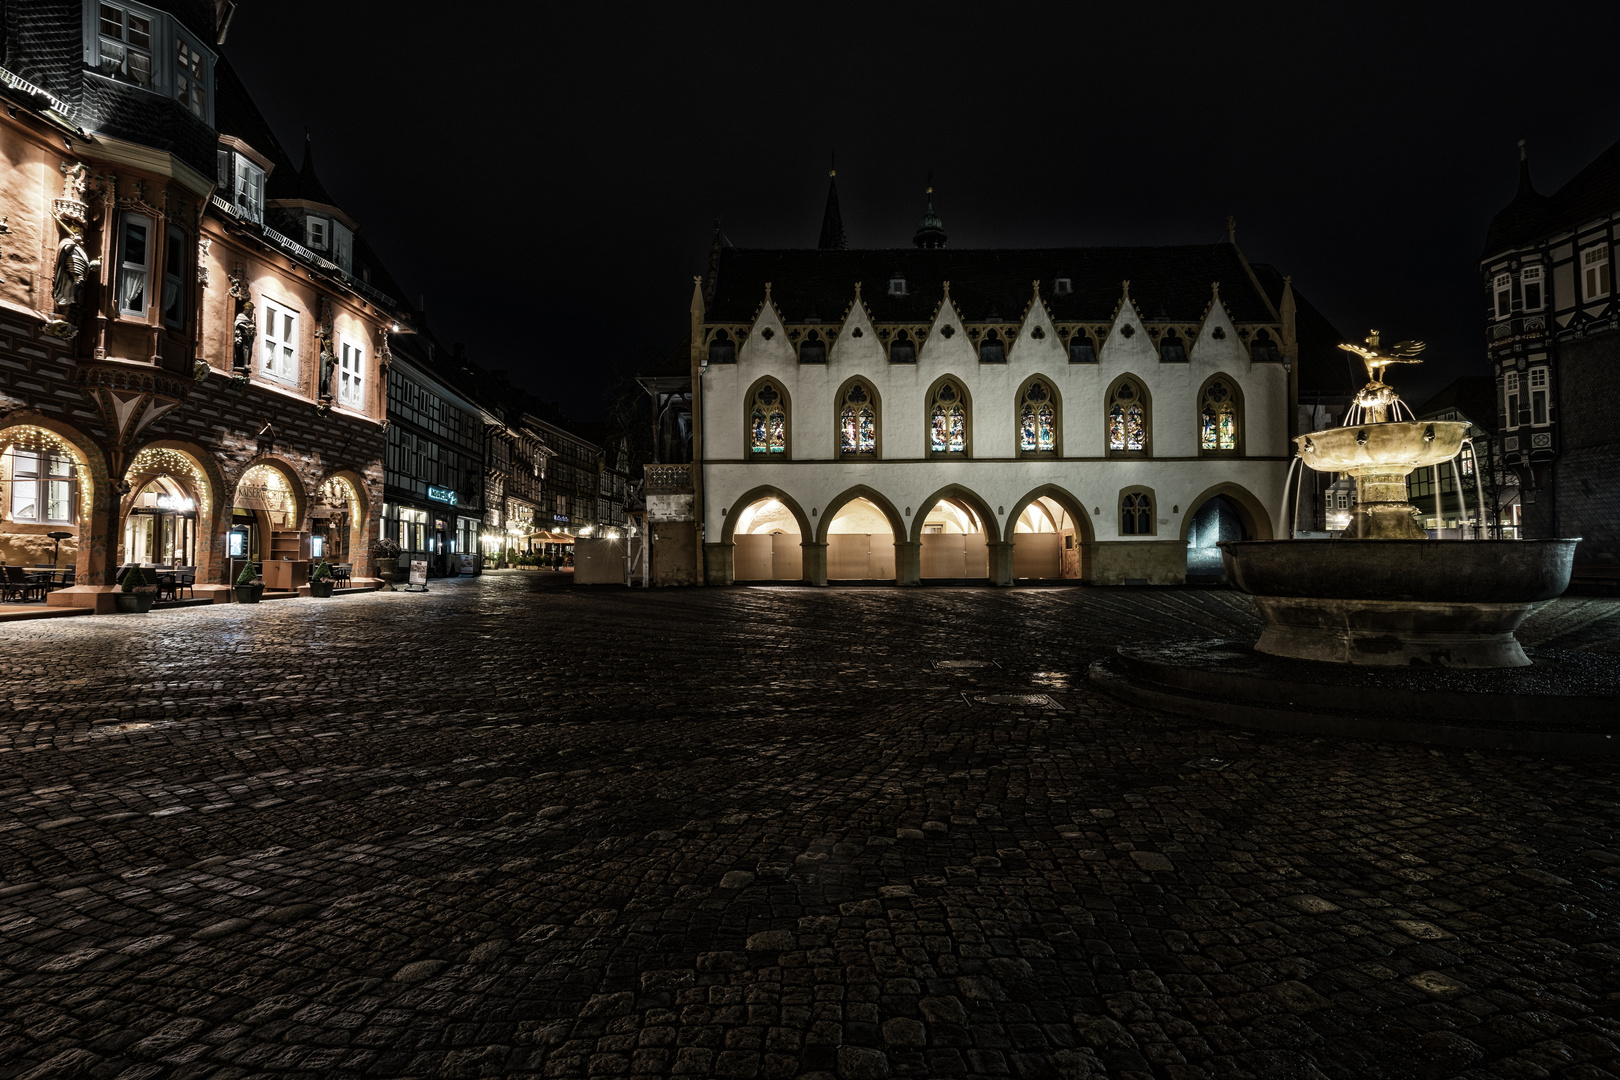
(1136, 513)
(1219, 418)
(1128, 418)
(767, 422)
(858, 422)
(1037, 419)
(722, 350)
(948, 420)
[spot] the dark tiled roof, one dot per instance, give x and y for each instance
(236, 114)
(832, 221)
(1592, 192)
(44, 44)
(987, 284)
(1325, 370)
(303, 184)
(1474, 396)
(127, 112)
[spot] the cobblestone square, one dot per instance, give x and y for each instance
(514, 827)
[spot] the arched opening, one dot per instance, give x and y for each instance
(169, 514)
(1039, 418)
(337, 521)
(1220, 418)
(266, 519)
(1218, 519)
(860, 542)
(1048, 542)
(954, 535)
(767, 539)
(859, 421)
(766, 412)
(47, 484)
(949, 420)
(1129, 420)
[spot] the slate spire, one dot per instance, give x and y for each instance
(930, 230)
(309, 185)
(832, 220)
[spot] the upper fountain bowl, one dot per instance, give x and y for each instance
(1404, 444)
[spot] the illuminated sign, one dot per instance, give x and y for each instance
(559, 517)
(238, 539)
(317, 546)
(176, 502)
(441, 494)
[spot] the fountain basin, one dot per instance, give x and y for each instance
(1398, 602)
(1383, 447)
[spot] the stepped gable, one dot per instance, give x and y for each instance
(987, 284)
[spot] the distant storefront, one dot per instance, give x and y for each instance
(433, 465)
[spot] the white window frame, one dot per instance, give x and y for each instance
(247, 188)
(343, 247)
(278, 341)
(1595, 274)
(1538, 397)
(316, 231)
(165, 36)
(193, 77)
(1510, 395)
(125, 266)
(1502, 296)
(152, 50)
(351, 373)
(39, 480)
(1533, 276)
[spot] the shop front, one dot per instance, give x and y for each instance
(41, 474)
(434, 533)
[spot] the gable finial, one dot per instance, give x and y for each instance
(1127, 284)
(1215, 291)
(1037, 284)
(1231, 229)
(857, 290)
(767, 292)
(947, 290)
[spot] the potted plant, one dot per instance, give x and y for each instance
(320, 582)
(248, 590)
(386, 552)
(137, 597)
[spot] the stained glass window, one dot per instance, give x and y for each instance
(1217, 418)
(1127, 419)
(767, 422)
(857, 423)
(1037, 420)
(947, 421)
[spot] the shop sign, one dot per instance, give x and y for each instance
(559, 517)
(176, 502)
(441, 494)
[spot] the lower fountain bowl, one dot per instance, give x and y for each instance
(1398, 602)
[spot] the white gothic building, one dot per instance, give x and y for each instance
(1094, 414)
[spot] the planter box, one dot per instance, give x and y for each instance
(322, 588)
(248, 594)
(132, 603)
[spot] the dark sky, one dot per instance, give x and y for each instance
(547, 174)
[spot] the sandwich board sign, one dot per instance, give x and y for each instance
(418, 575)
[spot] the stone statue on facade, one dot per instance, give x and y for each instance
(244, 331)
(72, 264)
(328, 364)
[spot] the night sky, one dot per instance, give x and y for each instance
(548, 174)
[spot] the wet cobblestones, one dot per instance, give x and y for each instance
(514, 828)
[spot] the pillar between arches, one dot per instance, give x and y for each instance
(719, 563)
(1001, 562)
(908, 562)
(96, 587)
(815, 562)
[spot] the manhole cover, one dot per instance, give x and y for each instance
(957, 665)
(1208, 763)
(1024, 701)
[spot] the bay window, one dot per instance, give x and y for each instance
(134, 264)
(125, 40)
(142, 46)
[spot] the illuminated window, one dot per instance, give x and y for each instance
(315, 233)
(126, 44)
(1037, 419)
(1503, 288)
(1128, 418)
(144, 47)
(768, 422)
(351, 375)
(858, 422)
(948, 420)
(1595, 272)
(1218, 417)
(249, 189)
(43, 487)
(278, 341)
(191, 78)
(134, 265)
(343, 247)
(1136, 514)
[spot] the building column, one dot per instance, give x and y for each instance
(94, 584)
(815, 562)
(908, 562)
(719, 567)
(1001, 563)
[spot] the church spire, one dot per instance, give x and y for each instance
(930, 230)
(832, 221)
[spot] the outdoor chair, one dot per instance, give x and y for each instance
(19, 588)
(185, 578)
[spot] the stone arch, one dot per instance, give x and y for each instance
(728, 523)
(1251, 511)
(992, 527)
(295, 482)
(1085, 531)
(360, 530)
(849, 495)
(212, 511)
(96, 556)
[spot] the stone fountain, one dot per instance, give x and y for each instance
(1383, 632)
(1382, 593)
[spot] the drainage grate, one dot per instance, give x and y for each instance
(957, 665)
(1023, 701)
(1208, 763)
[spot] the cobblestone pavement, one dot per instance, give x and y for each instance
(513, 827)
